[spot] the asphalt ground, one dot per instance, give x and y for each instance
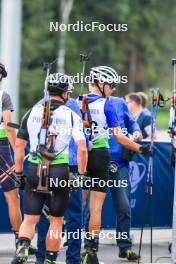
(108, 252)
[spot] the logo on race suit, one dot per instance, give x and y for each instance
(137, 172)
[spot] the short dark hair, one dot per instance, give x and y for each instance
(134, 97)
(58, 93)
(144, 98)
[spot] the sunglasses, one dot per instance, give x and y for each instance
(112, 85)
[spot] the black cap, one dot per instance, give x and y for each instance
(59, 83)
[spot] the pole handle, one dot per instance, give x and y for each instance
(173, 61)
(84, 57)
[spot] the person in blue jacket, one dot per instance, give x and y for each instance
(119, 171)
(73, 215)
(140, 113)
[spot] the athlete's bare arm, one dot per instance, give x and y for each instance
(125, 141)
(19, 154)
(81, 156)
(11, 132)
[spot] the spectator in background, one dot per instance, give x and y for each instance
(137, 106)
(144, 100)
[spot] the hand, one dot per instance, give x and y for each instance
(137, 136)
(77, 180)
(170, 132)
(83, 178)
(21, 180)
(73, 182)
(145, 150)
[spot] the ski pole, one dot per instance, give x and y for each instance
(157, 101)
(173, 142)
(10, 170)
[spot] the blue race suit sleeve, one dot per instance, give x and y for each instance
(72, 104)
(110, 112)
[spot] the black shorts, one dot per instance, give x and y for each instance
(57, 202)
(98, 169)
(8, 184)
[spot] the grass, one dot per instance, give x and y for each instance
(162, 121)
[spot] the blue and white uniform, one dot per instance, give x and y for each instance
(104, 116)
(73, 215)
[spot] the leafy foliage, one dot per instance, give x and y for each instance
(146, 47)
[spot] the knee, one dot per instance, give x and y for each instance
(124, 211)
(31, 220)
(121, 202)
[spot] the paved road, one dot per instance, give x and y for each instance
(108, 253)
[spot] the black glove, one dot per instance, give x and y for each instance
(21, 179)
(146, 150)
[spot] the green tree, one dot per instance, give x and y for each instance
(142, 53)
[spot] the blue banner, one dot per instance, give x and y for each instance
(163, 187)
(163, 184)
